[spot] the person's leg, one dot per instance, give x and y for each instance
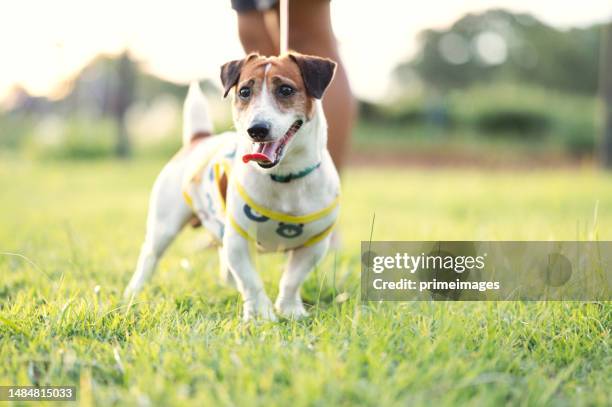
(254, 34)
(310, 32)
(272, 23)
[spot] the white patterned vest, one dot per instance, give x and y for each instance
(270, 230)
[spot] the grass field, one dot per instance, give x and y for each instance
(80, 226)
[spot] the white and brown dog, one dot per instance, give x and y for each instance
(271, 183)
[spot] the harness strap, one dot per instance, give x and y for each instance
(283, 217)
(309, 242)
(219, 168)
(187, 180)
(188, 199)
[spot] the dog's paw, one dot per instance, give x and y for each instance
(259, 308)
(291, 309)
(130, 292)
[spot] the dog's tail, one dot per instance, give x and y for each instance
(196, 117)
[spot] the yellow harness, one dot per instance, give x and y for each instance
(284, 218)
(269, 229)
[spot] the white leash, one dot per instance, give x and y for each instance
(284, 26)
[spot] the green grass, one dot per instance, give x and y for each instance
(80, 226)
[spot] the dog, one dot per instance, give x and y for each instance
(270, 184)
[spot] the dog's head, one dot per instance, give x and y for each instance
(273, 98)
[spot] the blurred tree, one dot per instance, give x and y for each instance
(606, 94)
(123, 98)
(500, 45)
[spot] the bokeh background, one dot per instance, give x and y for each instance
(510, 82)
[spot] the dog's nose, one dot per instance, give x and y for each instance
(259, 130)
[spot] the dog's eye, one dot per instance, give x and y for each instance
(244, 92)
(285, 90)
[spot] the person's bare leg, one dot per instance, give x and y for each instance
(272, 22)
(254, 34)
(310, 32)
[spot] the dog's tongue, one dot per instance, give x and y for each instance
(264, 153)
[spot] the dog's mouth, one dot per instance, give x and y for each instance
(268, 154)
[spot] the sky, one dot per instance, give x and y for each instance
(44, 42)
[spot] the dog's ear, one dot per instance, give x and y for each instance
(317, 73)
(230, 72)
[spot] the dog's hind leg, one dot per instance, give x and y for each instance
(225, 272)
(168, 213)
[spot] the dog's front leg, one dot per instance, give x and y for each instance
(256, 302)
(301, 262)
